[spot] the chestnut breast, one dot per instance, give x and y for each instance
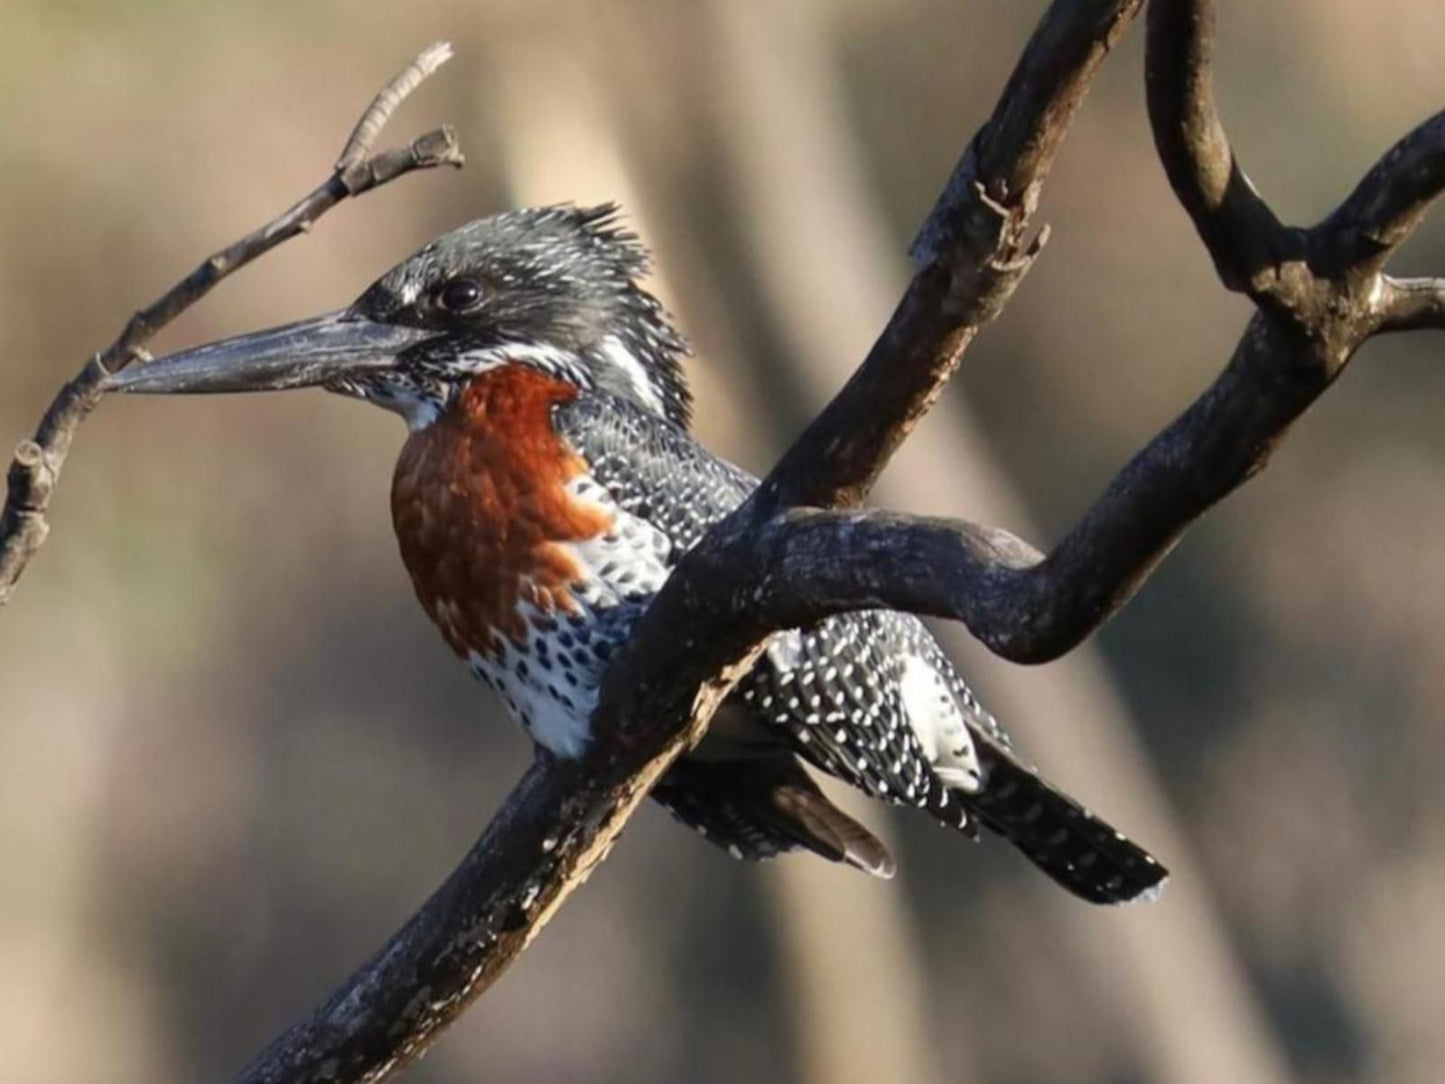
(483, 513)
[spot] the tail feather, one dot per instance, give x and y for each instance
(762, 806)
(1082, 853)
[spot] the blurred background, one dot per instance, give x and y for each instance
(234, 756)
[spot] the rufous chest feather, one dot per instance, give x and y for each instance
(483, 513)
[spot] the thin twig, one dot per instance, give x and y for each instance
(35, 469)
(388, 98)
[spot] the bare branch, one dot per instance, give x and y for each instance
(972, 252)
(1241, 233)
(1413, 304)
(1389, 202)
(804, 564)
(701, 633)
(35, 469)
(546, 838)
(387, 100)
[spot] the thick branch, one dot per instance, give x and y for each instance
(35, 469)
(546, 839)
(972, 252)
(805, 564)
(770, 564)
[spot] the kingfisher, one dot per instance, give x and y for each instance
(547, 487)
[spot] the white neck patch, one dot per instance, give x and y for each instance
(616, 352)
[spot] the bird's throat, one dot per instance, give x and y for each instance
(482, 511)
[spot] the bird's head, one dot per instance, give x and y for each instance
(555, 288)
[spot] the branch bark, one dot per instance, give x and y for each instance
(35, 469)
(1242, 234)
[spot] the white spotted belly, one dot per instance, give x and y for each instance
(549, 677)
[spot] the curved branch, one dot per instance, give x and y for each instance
(35, 469)
(804, 564)
(769, 564)
(1243, 236)
(387, 100)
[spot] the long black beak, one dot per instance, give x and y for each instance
(300, 355)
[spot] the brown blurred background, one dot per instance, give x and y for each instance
(234, 756)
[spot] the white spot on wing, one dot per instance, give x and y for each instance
(936, 720)
(785, 652)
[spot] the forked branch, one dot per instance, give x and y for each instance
(1321, 292)
(35, 469)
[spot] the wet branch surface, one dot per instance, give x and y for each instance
(802, 548)
(35, 469)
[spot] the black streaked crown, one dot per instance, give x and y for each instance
(558, 285)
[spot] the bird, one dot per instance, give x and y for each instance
(548, 485)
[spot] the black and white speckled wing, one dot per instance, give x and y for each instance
(867, 669)
(868, 696)
(653, 469)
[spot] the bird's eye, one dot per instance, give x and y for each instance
(459, 295)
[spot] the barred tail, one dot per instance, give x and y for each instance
(1074, 847)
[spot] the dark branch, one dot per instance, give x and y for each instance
(701, 632)
(1243, 237)
(791, 566)
(1413, 304)
(543, 841)
(972, 252)
(805, 564)
(775, 564)
(1389, 202)
(35, 469)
